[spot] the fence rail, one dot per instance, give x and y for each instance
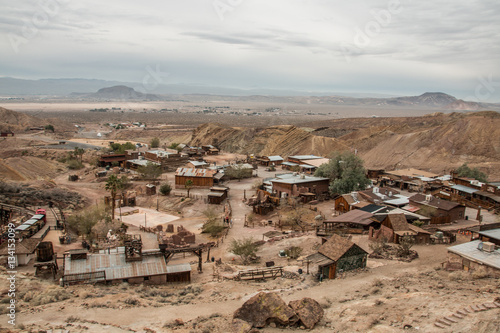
(258, 274)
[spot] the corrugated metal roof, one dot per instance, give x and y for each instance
(289, 163)
(305, 157)
(22, 227)
(142, 162)
(494, 233)
(297, 179)
(178, 268)
(37, 217)
(198, 163)
(305, 166)
(275, 158)
(215, 194)
(115, 266)
(190, 172)
(464, 189)
(470, 251)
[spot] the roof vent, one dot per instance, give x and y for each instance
(488, 247)
(428, 197)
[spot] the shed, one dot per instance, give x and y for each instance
(203, 178)
(338, 254)
(24, 251)
(472, 256)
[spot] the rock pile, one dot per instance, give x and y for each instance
(269, 309)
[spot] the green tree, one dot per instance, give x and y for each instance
(212, 225)
(465, 171)
(49, 128)
(346, 173)
(238, 172)
(78, 152)
(83, 223)
(188, 185)
(155, 142)
(295, 218)
(113, 185)
(120, 148)
(245, 248)
(150, 171)
(165, 189)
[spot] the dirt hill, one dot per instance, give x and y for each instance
(437, 142)
(19, 122)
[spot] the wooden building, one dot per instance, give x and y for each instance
(439, 210)
(25, 250)
(295, 185)
(492, 236)
(270, 160)
(112, 160)
(201, 178)
(336, 255)
(395, 226)
(353, 222)
(6, 134)
(115, 268)
(217, 195)
(475, 255)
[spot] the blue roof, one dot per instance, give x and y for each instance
(465, 189)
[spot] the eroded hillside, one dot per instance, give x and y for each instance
(435, 142)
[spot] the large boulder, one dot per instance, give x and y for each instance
(263, 309)
(308, 311)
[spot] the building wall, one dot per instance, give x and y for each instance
(470, 266)
(200, 182)
(383, 232)
(341, 205)
(294, 190)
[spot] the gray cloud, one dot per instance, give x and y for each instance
(439, 45)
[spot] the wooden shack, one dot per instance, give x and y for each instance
(338, 254)
(217, 195)
(201, 178)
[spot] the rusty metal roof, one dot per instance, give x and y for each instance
(190, 172)
(115, 266)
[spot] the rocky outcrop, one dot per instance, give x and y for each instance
(269, 309)
(308, 311)
(263, 309)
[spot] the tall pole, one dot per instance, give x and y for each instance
(145, 220)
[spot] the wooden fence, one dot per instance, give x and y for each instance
(260, 274)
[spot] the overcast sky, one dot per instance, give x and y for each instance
(394, 47)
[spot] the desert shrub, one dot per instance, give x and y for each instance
(165, 189)
(131, 301)
(457, 276)
(50, 295)
(245, 248)
(377, 283)
(213, 229)
(480, 273)
(155, 142)
(293, 252)
(405, 245)
(72, 319)
(378, 245)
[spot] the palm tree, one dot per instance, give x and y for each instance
(113, 184)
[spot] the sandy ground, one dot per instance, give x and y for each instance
(383, 298)
(147, 218)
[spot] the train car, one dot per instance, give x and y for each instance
(38, 224)
(43, 212)
(40, 217)
(25, 230)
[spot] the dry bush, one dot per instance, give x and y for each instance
(457, 276)
(72, 319)
(131, 301)
(480, 273)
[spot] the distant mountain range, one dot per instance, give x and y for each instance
(84, 89)
(118, 93)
